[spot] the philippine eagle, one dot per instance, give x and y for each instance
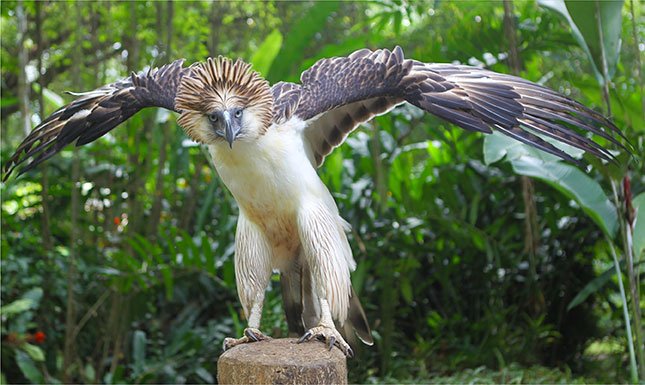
(267, 141)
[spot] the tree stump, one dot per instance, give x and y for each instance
(282, 361)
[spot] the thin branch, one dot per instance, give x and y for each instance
(90, 312)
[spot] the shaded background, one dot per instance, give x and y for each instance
(117, 257)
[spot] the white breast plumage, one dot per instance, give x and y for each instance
(269, 178)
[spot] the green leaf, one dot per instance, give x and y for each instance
(17, 306)
(34, 294)
(263, 58)
(639, 225)
(592, 287)
(575, 184)
(209, 255)
(596, 26)
(55, 100)
(337, 48)
(166, 274)
(28, 368)
(568, 179)
(299, 38)
(89, 373)
(34, 352)
(205, 375)
(8, 101)
(139, 350)
(599, 23)
(28, 301)
(406, 290)
(498, 145)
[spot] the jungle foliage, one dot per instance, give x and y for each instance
(116, 257)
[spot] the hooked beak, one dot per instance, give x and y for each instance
(229, 133)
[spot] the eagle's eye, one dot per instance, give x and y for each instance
(213, 118)
(238, 113)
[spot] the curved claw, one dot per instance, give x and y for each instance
(305, 337)
(250, 335)
(254, 335)
(330, 336)
(330, 342)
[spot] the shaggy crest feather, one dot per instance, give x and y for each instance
(219, 84)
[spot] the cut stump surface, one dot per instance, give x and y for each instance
(282, 361)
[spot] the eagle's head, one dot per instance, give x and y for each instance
(223, 100)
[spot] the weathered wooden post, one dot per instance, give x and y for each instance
(282, 361)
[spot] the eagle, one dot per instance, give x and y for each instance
(266, 143)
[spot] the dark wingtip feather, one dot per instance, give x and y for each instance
(95, 113)
(515, 106)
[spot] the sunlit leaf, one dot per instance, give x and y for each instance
(34, 352)
(55, 100)
(267, 52)
(299, 37)
(29, 300)
(89, 372)
(8, 101)
(16, 307)
(139, 350)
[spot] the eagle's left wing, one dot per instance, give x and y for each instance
(97, 112)
(338, 94)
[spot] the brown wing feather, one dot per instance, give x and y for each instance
(482, 100)
(338, 94)
(286, 97)
(97, 112)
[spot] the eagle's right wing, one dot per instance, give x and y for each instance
(337, 94)
(96, 112)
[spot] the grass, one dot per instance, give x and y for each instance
(513, 374)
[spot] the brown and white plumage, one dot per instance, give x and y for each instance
(266, 143)
(95, 113)
(350, 90)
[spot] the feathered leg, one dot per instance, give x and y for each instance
(329, 258)
(252, 274)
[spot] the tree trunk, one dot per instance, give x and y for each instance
(23, 87)
(46, 231)
(155, 212)
(69, 352)
(531, 226)
(45, 322)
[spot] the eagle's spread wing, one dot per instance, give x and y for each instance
(338, 94)
(96, 112)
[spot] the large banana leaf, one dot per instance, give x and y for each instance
(596, 26)
(566, 178)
